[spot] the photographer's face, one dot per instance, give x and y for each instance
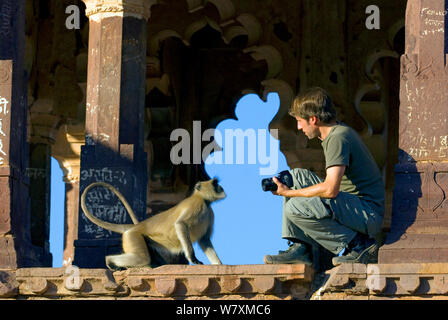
(308, 127)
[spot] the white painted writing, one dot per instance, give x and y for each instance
(3, 112)
(434, 20)
(36, 173)
(105, 175)
(434, 12)
(2, 152)
(96, 202)
(5, 25)
(1, 128)
(4, 106)
(434, 31)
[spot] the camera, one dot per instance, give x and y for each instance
(284, 177)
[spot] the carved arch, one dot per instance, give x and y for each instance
(230, 26)
(225, 8)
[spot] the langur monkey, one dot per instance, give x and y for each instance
(174, 230)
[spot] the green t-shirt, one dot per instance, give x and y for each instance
(343, 146)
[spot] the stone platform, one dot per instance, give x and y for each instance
(385, 281)
(230, 282)
(165, 282)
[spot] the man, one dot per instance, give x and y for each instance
(342, 213)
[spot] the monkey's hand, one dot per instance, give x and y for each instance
(194, 260)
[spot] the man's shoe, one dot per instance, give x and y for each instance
(296, 253)
(361, 250)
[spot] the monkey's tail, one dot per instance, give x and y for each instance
(115, 227)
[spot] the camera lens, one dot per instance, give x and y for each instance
(268, 185)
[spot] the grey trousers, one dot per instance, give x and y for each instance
(331, 223)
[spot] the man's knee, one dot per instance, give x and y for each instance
(300, 171)
(293, 208)
(308, 208)
(304, 178)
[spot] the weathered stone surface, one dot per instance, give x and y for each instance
(230, 283)
(165, 286)
(420, 217)
(417, 280)
(264, 284)
(198, 285)
(110, 285)
(37, 285)
(8, 284)
(136, 284)
(222, 280)
(39, 174)
(113, 152)
(67, 282)
(17, 250)
(440, 284)
(410, 281)
(166, 282)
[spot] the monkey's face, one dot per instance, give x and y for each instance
(210, 190)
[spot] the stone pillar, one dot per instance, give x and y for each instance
(67, 151)
(39, 174)
(419, 231)
(42, 136)
(114, 151)
(15, 243)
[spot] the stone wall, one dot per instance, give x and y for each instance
(230, 282)
(385, 281)
(256, 282)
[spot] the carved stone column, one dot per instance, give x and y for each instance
(15, 243)
(67, 151)
(419, 231)
(42, 129)
(114, 151)
(39, 174)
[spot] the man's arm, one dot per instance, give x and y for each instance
(327, 189)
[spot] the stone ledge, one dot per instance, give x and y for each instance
(165, 282)
(377, 281)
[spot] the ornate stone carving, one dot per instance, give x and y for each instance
(67, 151)
(198, 25)
(386, 280)
(252, 26)
(5, 71)
(272, 57)
(168, 282)
(225, 8)
(410, 69)
(137, 8)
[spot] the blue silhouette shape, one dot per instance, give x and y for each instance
(248, 221)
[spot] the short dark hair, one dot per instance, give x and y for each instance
(316, 102)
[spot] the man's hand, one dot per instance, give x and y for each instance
(281, 188)
(327, 189)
